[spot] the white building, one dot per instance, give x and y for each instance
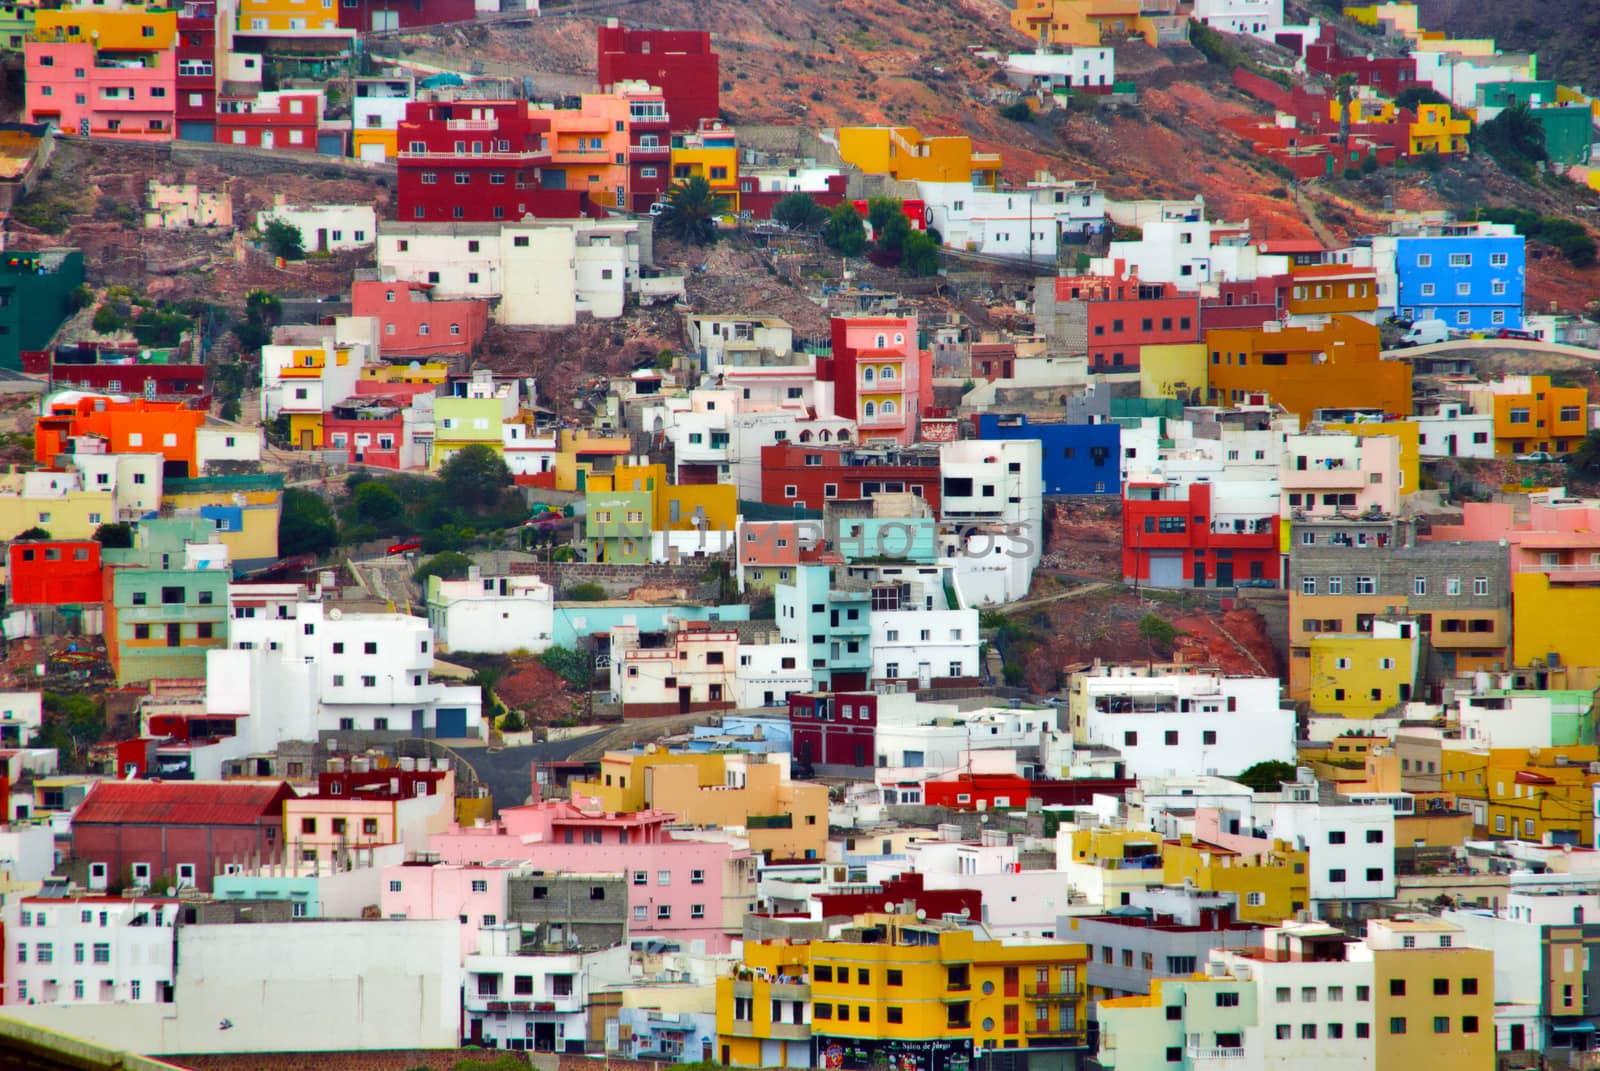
(1182, 724)
(1179, 245)
(307, 370)
(324, 228)
(996, 482)
(1451, 429)
(1258, 18)
(559, 985)
(134, 480)
(492, 614)
(769, 672)
(714, 338)
(379, 104)
(543, 272)
(298, 667)
(1351, 844)
(21, 715)
(225, 442)
(1072, 68)
(917, 635)
(90, 950)
(1027, 223)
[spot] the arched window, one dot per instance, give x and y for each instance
(886, 372)
(888, 408)
(869, 410)
(805, 436)
(866, 374)
(844, 435)
(823, 435)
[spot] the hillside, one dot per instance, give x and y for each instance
(1562, 32)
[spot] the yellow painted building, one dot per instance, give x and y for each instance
(1175, 371)
(129, 28)
(1271, 887)
(405, 373)
(1082, 22)
(711, 153)
(905, 154)
(388, 141)
(1433, 999)
(290, 16)
(1361, 676)
(70, 515)
(895, 987)
(1543, 608)
(1542, 794)
(580, 453)
(1108, 863)
(674, 507)
(1403, 17)
(1438, 130)
(783, 819)
(246, 510)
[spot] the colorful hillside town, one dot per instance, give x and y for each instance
(1057, 538)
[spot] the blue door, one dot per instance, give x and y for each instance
(450, 723)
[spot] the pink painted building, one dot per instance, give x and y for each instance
(881, 378)
(413, 323)
(473, 893)
(678, 889)
(130, 98)
(1562, 537)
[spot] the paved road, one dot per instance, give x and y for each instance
(508, 772)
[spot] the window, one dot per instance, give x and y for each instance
(1461, 260)
(1336, 836)
(663, 911)
(1480, 585)
(1469, 987)
(894, 977)
(1308, 585)
(1366, 585)
(1308, 1031)
(1397, 987)
(1283, 1031)
(1469, 1024)
(1227, 1000)
(1441, 1024)
(894, 1015)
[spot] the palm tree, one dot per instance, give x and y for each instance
(693, 208)
(1344, 86)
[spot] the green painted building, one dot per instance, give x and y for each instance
(1568, 131)
(168, 601)
(35, 296)
(617, 526)
(16, 23)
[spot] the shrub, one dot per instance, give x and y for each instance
(1017, 111)
(446, 565)
(586, 593)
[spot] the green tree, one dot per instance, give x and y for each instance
(1586, 458)
(1514, 138)
(513, 722)
(693, 208)
(845, 233)
(800, 212)
(889, 225)
(1344, 89)
(446, 565)
(919, 254)
(585, 593)
(1412, 96)
(306, 525)
(231, 410)
(1157, 632)
(32, 533)
(114, 536)
(1267, 776)
(72, 723)
(283, 239)
(572, 666)
(264, 306)
(475, 476)
(107, 320)
(375, 503)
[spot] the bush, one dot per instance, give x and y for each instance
(28, 534)
(1157, 631)
(1571, 239)
(1369, 164)
(283, 240)
(585, 593)
(306, 525)
(107, 320)
(513, 722)
(447, 565)
(572, 666)
(1017, 111)
(800, 212)
(1351, 174)
(844, 232)
(1267, 776)
(114, 536)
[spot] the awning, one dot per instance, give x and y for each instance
(1583, 1027)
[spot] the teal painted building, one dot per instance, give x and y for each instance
(575, 621)
(888, 539)
(1568, 131)
(35, 296)
(831, 624)
(162, 615)
(302, 891)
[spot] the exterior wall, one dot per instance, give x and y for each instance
(681, 63)
(35, 289)
(53, 573)
(1484, 291)
(1421, 1024)
(494, 614)
(412, 323)
(1216, 550)
(243, 510)
(787, 479)
(326, 228)
(93, 950)
(1078, 459)
(1304, 370)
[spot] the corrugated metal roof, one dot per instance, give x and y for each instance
(191, 803)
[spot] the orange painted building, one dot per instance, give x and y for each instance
(133, 425)
(1335, 366)
(1332, 290)
(589, 146)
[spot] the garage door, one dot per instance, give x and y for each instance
(450, 723)
(374, 152)
(1166, 571)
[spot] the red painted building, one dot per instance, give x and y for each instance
(973, 792)
(196, 106)
(904, 889)
(115, 368)
(1173, 537)
(390, 783)
(679, 63)
(760, 203)
(649, 149)
(1124, 315)
(163, 824)
(369, 15)
(412, 323)
(286, 120)
(1390, 75)
(822, 736)
(810, 475)
(1246, 302)
(479, 161)
(57, 572)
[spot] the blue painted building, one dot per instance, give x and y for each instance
(1469, 275)
(1076, 459)
(830, 625)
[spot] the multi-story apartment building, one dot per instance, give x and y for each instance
(280, 119)
(1076, 459)
(711, 152)
(1532, 414)
(491, 613)
(1181, 724)
(79, 949)
(1433, 997)
(1344, 574)
(696, 670)
(304, 379)
(681, 63)
(166, 600)
(1470, 275)
(850, 1001)
(809, 476)
(1122, 314)
(376, 110)
(1160, 933)
(881, 377)
(1329, 475)
(472, 161)
(1336, 365)
(534, 999)
(1199, 534)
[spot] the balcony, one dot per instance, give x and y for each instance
(472, 124)
(1043, 994)
(1579, 573)
(1215, 1059)
(1053, 1031)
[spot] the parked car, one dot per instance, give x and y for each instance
(1508, 332)
(405, 546)
(1540, 457)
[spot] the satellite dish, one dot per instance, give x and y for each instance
(335, 614)
(171, 891)
(888, 908)
(921, 914)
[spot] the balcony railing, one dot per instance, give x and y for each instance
(1054, 993)
(1197, 1052)
(472, 124)
(1052, 1028)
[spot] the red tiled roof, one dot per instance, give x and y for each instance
(189, 803)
